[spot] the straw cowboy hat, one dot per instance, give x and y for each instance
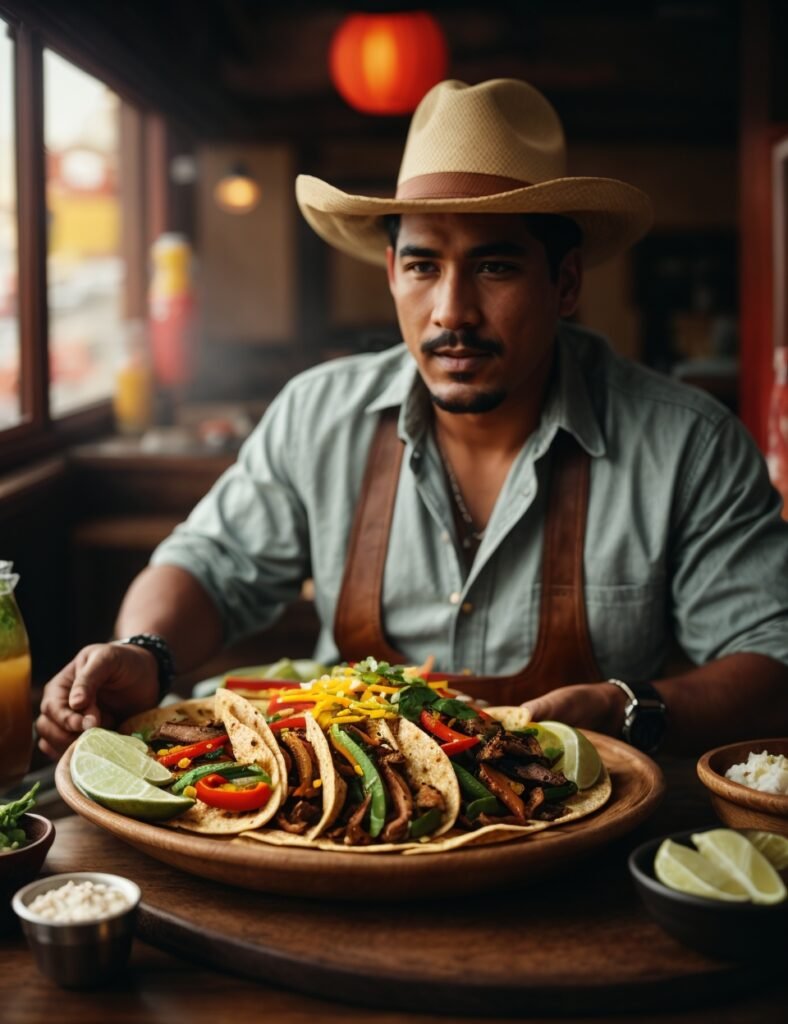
(496, 147)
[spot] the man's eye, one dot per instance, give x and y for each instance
(420, 267)
(497, 267)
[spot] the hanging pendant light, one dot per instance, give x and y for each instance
(237, 191)
(385, 63)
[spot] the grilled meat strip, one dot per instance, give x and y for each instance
(187, 732)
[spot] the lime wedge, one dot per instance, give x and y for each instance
(580, 762)
(734, 854)
(773, 847)
(687, 871)
(126, 751)
(120, 790)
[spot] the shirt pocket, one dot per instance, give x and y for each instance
(628, 627)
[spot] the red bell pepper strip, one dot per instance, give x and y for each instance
(216, 791)
(433, 724)
(194, 750)
(458, 746)
(248, 683)
(293, 722)
(277, 704)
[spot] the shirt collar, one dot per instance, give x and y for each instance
(568, 404)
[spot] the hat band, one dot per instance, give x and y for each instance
(456, 185)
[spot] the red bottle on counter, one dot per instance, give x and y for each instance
(172, 311)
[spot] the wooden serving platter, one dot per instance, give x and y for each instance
(348, 877)
(578, 945)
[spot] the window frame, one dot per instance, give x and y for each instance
(39, 434)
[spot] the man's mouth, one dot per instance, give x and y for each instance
(460, 360)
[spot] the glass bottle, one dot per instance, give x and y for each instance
(16, 710)
(133, 398)
(777, 434)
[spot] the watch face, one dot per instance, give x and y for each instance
(647, 728)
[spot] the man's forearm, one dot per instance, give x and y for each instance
(169, 601)
(741, 696)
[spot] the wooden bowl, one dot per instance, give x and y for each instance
(740, 806)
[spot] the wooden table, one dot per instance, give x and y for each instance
(162, 987)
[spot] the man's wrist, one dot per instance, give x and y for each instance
(645, 715)
(158, 647)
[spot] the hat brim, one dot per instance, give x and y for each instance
(611, 214)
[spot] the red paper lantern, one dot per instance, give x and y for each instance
(385, 63)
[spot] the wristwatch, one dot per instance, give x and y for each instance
(160, 650)
(645, 716)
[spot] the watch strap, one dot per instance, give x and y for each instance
(160, 650)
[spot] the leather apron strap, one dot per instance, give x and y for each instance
(563, 653)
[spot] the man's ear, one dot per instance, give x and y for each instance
(570, 280)
(390, 256)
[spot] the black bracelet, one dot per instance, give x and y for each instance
(160, 650)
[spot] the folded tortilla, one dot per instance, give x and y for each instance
(247, 730)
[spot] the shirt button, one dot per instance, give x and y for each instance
(454, 598)
(445, 536)
(467, 607)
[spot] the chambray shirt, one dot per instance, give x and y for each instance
(683, 536)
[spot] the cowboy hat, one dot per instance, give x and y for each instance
(496, 147)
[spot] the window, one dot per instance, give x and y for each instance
(10, 361)
(74, 223)
(85, 268)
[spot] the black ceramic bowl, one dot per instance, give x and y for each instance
(728, 931)
(20, 866)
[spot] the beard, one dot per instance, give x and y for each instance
(474, 402)
(480, 401)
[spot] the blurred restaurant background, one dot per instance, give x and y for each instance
(158, 285)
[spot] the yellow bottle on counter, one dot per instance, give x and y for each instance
(16, 711)
(134, 385)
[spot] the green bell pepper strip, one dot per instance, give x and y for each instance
(469, 784)
(426, 823)
(484, 805)
(230, 770)
(553, 793)
(372, 782)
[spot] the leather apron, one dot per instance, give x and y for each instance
(562, 655)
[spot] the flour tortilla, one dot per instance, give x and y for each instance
(332, 784)
(250, 746)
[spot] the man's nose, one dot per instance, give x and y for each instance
(456, 303)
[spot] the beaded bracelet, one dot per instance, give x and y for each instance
(160, 650)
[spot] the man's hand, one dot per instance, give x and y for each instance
(102, 685)
(597, 706)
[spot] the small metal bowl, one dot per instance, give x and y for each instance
(727, 931)
(84, 954)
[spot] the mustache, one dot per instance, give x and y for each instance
(465, 339)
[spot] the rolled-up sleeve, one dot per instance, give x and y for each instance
(247, 540)
(730, 554)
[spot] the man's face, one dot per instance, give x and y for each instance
(477, 307)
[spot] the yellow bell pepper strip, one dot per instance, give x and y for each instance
(193, 750)
(216, 791)
(371, 780)
(229, 770)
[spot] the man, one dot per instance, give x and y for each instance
(502, 493)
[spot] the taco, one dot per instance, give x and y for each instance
(226, 760)
(395, 792)
(312, 792)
